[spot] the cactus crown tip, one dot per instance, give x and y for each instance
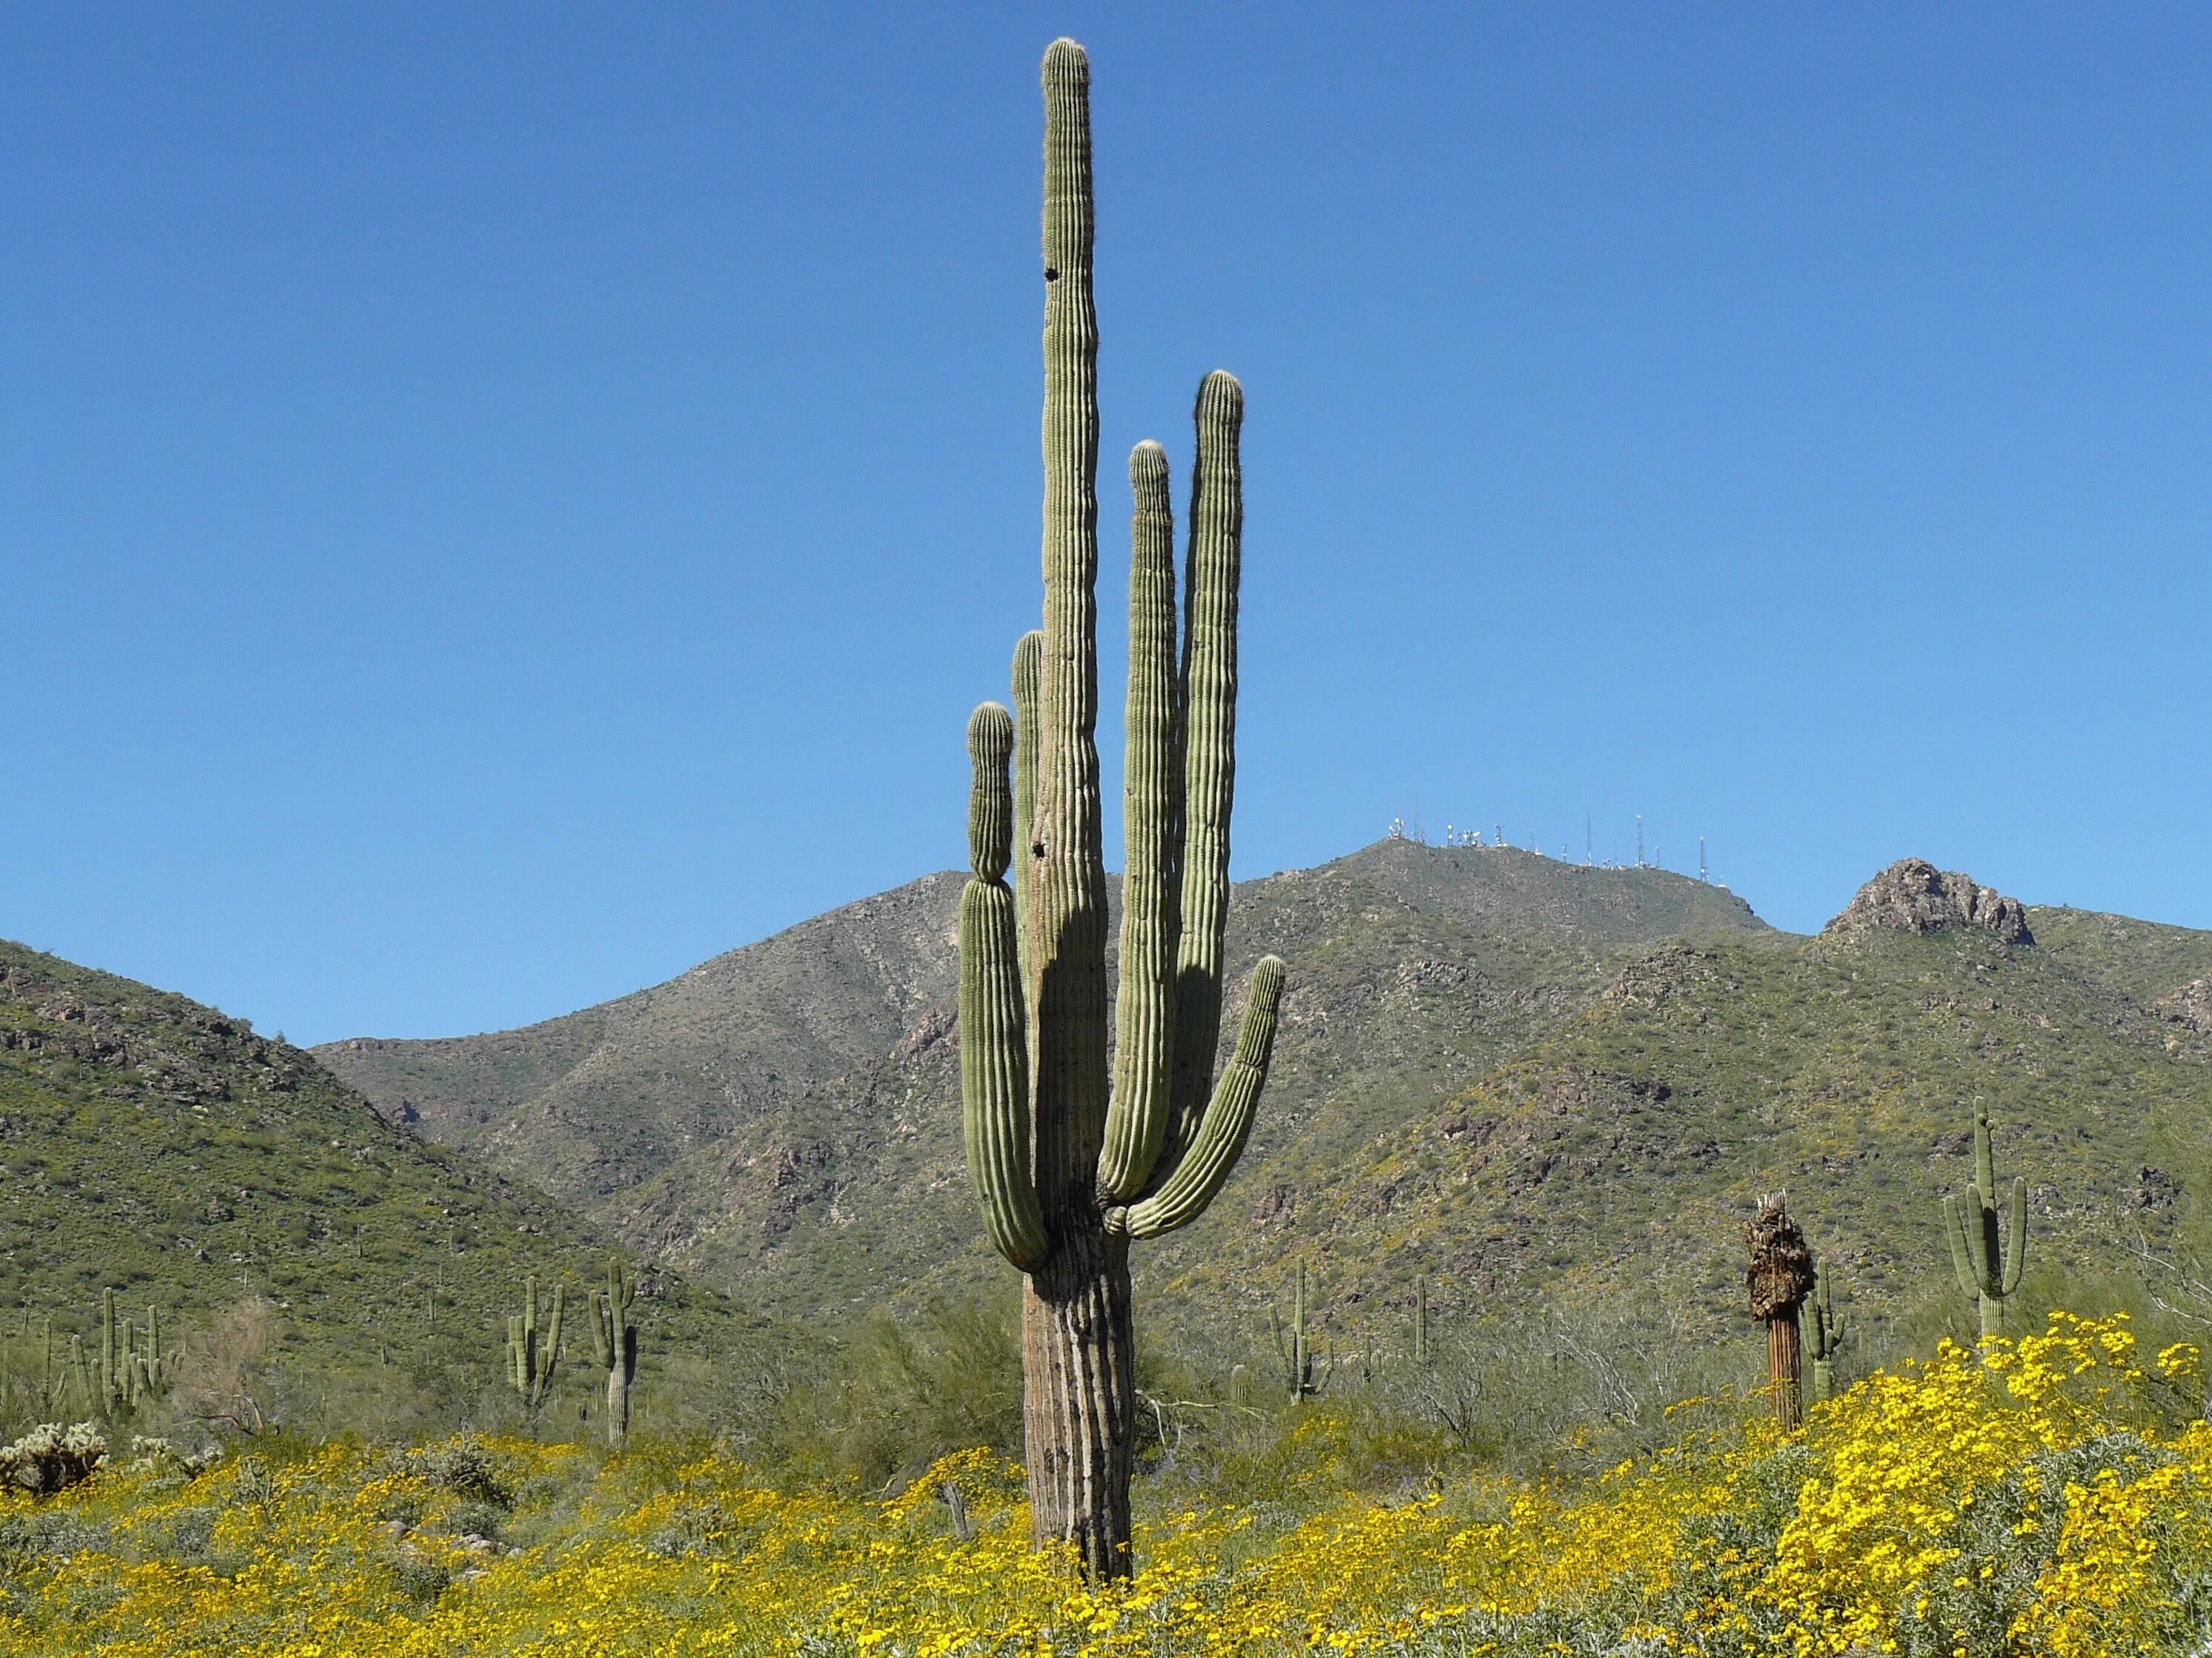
(1064, 57)
(990, 732)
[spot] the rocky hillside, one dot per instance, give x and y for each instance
(157, 1147)
(784, 1119)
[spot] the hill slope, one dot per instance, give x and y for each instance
(785, 1118)
(153, 1145)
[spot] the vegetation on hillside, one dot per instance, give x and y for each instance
(306, 1262)
(2054, 1499)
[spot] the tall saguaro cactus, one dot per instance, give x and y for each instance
(1988, 1265)
(615, 1339)
(531, 1359)
(1075, 1150)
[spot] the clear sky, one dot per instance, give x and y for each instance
(498, 503)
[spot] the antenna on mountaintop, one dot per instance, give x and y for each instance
(1586, 840)
(1500, 828)
(1701, 857)
(1639, 840)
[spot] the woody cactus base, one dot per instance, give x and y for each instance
(1780, 1278)
(1076, 1149)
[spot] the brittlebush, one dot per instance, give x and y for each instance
(2020, 1501)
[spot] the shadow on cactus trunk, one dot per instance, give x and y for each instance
(1077, 1149)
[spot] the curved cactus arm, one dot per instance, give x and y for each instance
(2015, 1253)
(1137, 1117)
(1182, 1197)
(993, 1041)
(1958, 1225)
(1214, 568)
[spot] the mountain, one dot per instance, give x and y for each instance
(158, 1148)
(784, 1119)
(1532, 1082)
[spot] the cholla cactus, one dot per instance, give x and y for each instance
(615, 1337)
(1988, 1267)
(1075, 1151)
(52, 1458)
(1780, 1278)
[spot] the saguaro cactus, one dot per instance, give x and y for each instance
(1987, 1273)
(1828, 1331)
(1072, 1161)
(1780, 1278)
(1421, 1319)
(132, 1368)
(615, 1337)
(530, 1361)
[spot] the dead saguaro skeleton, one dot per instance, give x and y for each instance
(1780, 1277)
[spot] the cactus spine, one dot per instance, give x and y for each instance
(1828, 1332)
(1987, 1265)
(1075, 1152)
(1780, 1278)
(531, 1362)
(615, 1337)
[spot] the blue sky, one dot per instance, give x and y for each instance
(500, 503)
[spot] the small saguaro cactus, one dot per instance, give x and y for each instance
(615, 1339)
(1078, 1146)
(1828, 1332)
(1988, 1273)
(1421, 1319)
(133, 1370)
(1295, 1345)
(1780, 1278)
(530, 1360)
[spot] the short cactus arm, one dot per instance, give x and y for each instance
(1959, 1226)
(1214, 566)
(1205, 1164)
(993, 1043)
(1137, 1119)
(2016, 1237)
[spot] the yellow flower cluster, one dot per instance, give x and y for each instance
(2022, 1499)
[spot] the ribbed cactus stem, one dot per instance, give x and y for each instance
(111, 1383)
(993, 1044)
(1151, 897)
(1988, 1247)
(1071, 1159)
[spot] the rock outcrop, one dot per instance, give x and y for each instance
(1913, 896)
(2190, 1005)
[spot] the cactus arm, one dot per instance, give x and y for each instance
(1066, 993)
(2016, 1254)
(552, 1351)
(1021, 873)
(1137, 1119)
(1214, 567)
(602, 1331)
(993, 1044)
(1206, 1163)
(1956, 1226)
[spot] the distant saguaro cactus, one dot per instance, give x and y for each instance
(1780, 1278)
(1070, 1165)
(1988, 1266)
(530, 1361)
(133, 1370)
(614, 1339)
(1828, 1331)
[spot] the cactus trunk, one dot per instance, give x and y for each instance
(1075, 1151)
(1786, 1370)
(1780, 1278)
